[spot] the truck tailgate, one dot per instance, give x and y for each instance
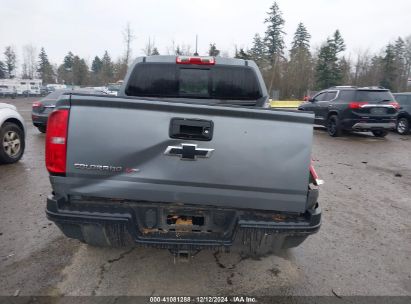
(121, 148)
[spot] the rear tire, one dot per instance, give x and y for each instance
(42, 129)
(11, 143)
(333, 126)
(403, 126)
(380, 133)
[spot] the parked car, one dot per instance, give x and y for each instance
(113, 89)
(12, 134)
(44, 91)
(404, 114)
(41, 109)
(8, 91)
(349, 108)
(185, 158)
(56, 86)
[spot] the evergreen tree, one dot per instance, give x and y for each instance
(61, 75)
(327, 65)
(258, 51)
(344, 66)
(10, 61)
(68, 61)
(328, 69)
(389, 70)
(241, 54)
(155, 51)
(107, 69)
(274, 35)
(400, 65)
(3, 72)
(65, 70)
(301, 39)
(96, 65)
(274, 47)
(45, 69)
(213, 51)
(374, 75)
(407, 55)
(80, 71)
(299, 68)
(338, 42)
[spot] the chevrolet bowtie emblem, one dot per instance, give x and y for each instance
(188, 152)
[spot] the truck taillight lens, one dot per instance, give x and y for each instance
(56, 141)
(314, 175)
(37, 104)
(195, 60)
(356, 104)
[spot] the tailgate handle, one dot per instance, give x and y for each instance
(195, 129)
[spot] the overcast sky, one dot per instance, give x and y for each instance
(88, 27)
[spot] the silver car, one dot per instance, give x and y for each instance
(12, 134)
(8, 91)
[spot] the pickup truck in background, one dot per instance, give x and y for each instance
(186, 157)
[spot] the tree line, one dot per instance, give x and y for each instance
(292, 72)
(302, 70)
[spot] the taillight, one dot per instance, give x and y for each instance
(56, 141)
(356, 104)
(195, 60)
(395, 104)
(314, 175)
(37, 105)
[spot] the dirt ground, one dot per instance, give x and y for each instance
(362, 248)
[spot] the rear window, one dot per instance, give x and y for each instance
(374, 96)
(54, 95)
(194, 82)
(211, 82)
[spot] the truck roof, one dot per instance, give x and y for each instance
(173, 58)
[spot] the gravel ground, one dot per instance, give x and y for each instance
(362, 248)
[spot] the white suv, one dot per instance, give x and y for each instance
(12, 134)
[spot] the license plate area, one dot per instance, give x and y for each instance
(189, 223)
(378, 111)
(184, 222)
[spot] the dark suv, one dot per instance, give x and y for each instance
(347, 108)
(404, 114)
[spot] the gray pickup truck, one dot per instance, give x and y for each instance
(186, 157)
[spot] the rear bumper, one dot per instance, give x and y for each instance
(39, 119)
(114, 223)
(369, 124)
